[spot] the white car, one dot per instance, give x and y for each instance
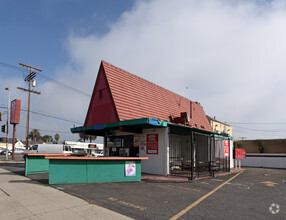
(3, 152)
(98, 153)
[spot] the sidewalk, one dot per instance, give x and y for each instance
(23, 198)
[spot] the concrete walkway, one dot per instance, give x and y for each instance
(22, 198)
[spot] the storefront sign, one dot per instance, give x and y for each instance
(152, 144)
(226, 148)
(239, 153)
(130, 168)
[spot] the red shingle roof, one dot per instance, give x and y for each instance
(135, 97)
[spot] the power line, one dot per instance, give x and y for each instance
(257, 129)
(47, 115)
(47, 78)
(12, 67)
(66, 132)
(64, 85)
(257, 123)
(51, 116)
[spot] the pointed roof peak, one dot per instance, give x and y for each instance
(107, 64)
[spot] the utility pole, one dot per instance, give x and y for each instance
(29, 79)
(7, 131)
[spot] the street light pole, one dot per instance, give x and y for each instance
(8, 111)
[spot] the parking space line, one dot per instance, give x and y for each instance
(184, 211)
(127, 204)
(179, 187)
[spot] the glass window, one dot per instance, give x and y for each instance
(34, 147)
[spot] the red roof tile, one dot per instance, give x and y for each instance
(135, 97)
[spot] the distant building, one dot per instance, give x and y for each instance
(220, 127)
(10, 143)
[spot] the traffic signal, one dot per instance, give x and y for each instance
(3, 128)
(0, 116)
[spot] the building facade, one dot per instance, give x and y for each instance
(220, 127)
(139, 118)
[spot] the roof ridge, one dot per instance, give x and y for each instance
(103, 61)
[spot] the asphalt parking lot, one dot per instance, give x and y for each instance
(256, 193)
(247, 196)
(18, 157)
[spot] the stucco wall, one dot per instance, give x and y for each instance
(157, 163)
(264, 160)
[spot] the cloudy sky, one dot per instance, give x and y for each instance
(227, 55)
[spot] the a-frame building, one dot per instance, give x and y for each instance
(119, 95)
(129, 111)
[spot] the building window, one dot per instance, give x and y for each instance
(100, 94)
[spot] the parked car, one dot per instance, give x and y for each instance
(97, 153)
(3, 152)
(49, 149)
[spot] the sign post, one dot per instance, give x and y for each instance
(239, 154)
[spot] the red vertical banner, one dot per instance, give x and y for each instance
(15, 111)
(152, 144)
(226, 148)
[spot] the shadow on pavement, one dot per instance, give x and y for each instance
(19, 169)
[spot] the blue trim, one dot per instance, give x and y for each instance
(77, 129)
(99, 127)
(153, 121)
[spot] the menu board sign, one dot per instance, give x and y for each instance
(152, 144)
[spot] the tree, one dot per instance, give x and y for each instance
(84, 137)
(47, 138)
(260, 144)
(35, 135)
(91, 138)
(57, 137)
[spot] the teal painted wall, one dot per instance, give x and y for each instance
(36, 164)
(111, 171)
(67, 171)
(91, 171)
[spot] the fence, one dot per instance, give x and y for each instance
(193, 155)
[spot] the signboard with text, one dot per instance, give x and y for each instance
(15, 111)
(152, 144)
(226, 148)
(239, 153)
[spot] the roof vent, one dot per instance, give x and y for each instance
(186, 116)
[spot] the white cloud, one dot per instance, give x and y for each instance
(230, 55)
